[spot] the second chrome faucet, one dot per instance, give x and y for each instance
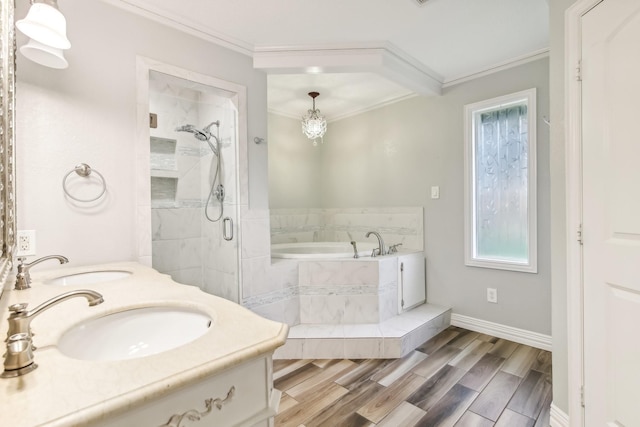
(23, 278)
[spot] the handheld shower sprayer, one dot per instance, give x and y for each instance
(206, 135)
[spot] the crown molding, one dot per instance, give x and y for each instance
(383, 58)
(501, 66)
(152, 13)
(350, 113)
(372, 107)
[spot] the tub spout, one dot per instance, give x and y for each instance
(381, 251)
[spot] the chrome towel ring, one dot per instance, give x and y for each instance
(84, 170)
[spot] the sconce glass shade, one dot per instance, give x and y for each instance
(45, 24)
(314, 126)
(44, 55)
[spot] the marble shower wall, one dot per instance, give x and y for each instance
(269, 289)
(185, 244)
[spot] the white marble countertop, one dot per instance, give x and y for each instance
(64, 391)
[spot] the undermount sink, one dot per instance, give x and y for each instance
(89, 278)
(133, 333)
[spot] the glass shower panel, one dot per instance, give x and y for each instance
(185, 243)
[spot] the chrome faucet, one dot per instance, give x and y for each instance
(380, 248)
(19, 358)
(23, 278)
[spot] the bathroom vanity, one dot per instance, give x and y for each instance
(223, 377)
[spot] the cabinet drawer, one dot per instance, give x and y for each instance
(241, 392)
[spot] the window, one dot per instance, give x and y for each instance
(500, 183)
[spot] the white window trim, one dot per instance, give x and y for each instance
(469, 182)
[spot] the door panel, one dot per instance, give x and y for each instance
(611, 212)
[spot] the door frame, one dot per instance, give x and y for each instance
(573, 187)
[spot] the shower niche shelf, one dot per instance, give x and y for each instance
(163, 173)
(163, 155)
(163, 191)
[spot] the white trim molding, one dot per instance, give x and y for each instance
(153, 13)
(573, 188)
(389, 61)
(383, 58)
(558, 418)
(522, 336)
(504, 65)
(350, 113)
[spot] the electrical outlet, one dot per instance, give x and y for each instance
(492, 295)
(26, 242)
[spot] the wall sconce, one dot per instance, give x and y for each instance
(46, 26)
(314, 125)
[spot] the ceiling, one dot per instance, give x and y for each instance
(360, 54)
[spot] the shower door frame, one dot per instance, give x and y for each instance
(144, 66)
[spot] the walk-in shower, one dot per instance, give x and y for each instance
(194, 154)
(217, 188)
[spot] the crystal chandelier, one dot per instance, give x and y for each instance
(313, 124)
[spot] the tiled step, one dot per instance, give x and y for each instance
(390, 339)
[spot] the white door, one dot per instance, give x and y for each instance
(611, 212)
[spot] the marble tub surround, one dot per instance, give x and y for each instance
(390, 339)
(363, 290)
(65, 391)
(396, 225)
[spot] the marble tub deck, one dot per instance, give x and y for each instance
(391, 339)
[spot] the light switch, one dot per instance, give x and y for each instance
(435, 192)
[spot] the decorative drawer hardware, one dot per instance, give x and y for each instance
(194, 415)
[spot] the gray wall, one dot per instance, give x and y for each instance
(87, 113)
(294, 165)
(392, 156)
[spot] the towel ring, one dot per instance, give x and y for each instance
(84, 170)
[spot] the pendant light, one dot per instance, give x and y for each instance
(314, 125)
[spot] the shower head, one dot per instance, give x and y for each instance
(202, 135)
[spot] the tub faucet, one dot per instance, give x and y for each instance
(23, 278)
(380, 247)
(19, 358)
(394, 248)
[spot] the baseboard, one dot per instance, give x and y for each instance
(558, 417)
(521, 336)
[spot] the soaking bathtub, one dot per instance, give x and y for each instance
(320, 250)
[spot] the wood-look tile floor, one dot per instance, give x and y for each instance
(458, 378)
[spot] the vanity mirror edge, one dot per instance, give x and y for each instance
(7, 140)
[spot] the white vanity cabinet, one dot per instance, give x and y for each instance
(238, 397)
(412, 285)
